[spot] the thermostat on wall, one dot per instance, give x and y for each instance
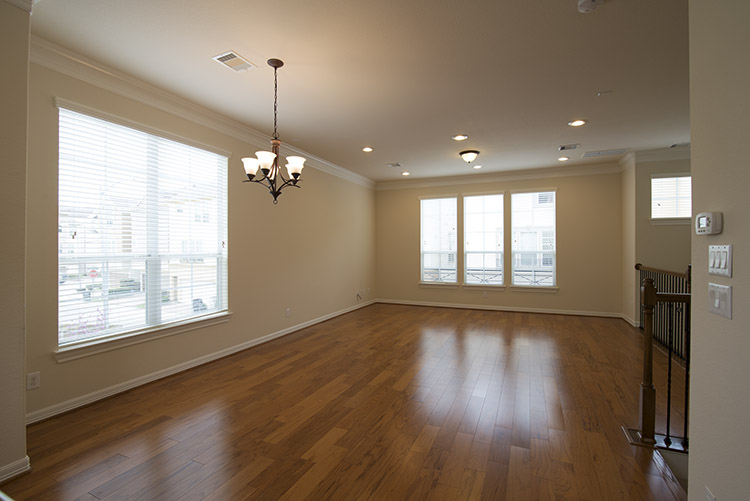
(708, 223)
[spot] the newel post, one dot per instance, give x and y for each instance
(648, 392)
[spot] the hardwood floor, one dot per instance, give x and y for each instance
(387, 402)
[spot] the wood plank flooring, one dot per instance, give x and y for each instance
(387, 402)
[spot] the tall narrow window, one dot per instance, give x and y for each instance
(142, 230)
(671, 197)
(438, 231)
(533, 232)
(483, 242)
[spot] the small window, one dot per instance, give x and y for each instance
(439, 236)
(483, 242)
(671, 197)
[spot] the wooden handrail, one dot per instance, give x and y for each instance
(685, 275)
(675, 297)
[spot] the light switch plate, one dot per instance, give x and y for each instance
(720, 300)
(720, 260)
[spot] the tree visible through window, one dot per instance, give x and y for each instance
(141, 230)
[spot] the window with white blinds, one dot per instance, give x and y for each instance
(533, 238)
(439, 237)
(483, 239)
(671, 197)
(142, 230)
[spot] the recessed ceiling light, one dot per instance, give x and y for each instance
(577, 123)
(460, 137)
(367, 149)
(404, 173)
(563, 159)
(477, 166)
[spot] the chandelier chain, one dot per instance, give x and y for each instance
(275, 103)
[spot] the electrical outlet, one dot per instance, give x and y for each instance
(288, 312)
(33, 380)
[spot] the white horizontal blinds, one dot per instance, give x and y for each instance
(483, 246)
(141, 227)
(671, 197)
(439, 237)
(533, 238)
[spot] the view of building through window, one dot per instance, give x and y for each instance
(533, 238)
(141, 230)
(439, 237)
(483, 236)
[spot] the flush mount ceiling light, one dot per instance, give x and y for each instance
(268, 161)
(577, 123)
(367, 149)
(460, 137)
(563, 159)
(469, 155)
(477, 166)
(404, 173)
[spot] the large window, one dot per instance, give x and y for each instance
(483, 232)
(142, 225)
(671, 197)
(439, 237)
(533, 235)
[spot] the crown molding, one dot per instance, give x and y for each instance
(628, 160)
(663, 154)
(519, 175)
(60, 59)
(26, 5)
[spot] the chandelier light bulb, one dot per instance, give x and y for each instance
(295, 165)
(251, 166)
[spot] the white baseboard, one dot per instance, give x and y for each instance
(47, 412)
(634, 323)
(504, 308)
(14, 469)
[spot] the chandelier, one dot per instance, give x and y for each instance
(271, 175)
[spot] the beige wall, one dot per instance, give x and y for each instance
(312, 252)
(665, 246)
(589, 246)
(630, 287)
(719, 111)
(14, 61)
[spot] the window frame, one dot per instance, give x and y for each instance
(87, 346)
(454, 252)
(541, 237)
(465, 282)
(670, 220)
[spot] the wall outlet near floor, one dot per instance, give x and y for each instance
(33, 380)
(288, 312)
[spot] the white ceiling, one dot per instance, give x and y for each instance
(403, 76)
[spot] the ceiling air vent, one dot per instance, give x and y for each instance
(604, 153)
(567, 147)
(234, 61)
(680, 145)
(394, 165)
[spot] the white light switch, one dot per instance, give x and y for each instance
(720, 260)
(720, 300)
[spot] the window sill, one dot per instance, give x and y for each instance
(671, 221)
(484, 287)
(526, 288)
(438, 285)
(96, 346)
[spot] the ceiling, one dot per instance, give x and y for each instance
(404, 76)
